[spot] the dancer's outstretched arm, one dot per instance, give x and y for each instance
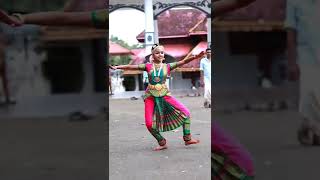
(189, 59)
(125, 67)
(224, 6)
(58, 18)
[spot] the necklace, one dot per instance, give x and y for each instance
(157, 77)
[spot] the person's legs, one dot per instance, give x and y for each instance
(149, 112)
(186, 124)
(309, 105)
(5, 87)
(110, 86)
(207, 93)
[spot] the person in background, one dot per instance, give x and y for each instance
(303, 47)
(3, 72)
(145, 80)
(205, 77)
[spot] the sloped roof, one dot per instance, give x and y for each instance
(262, 15)
(180, 23)
(139, 54)
(87, 5)
(50, 5)
(266, 10)
(177, 51)
(202, 46)
(31, 5)
(116, 49)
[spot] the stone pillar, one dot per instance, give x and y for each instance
(149, 25)
(209, 30)
(156, 30)
(136, 77)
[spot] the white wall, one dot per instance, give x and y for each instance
(24, 64)
(178, 83)
(86, 48)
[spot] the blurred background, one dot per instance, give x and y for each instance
(53, 126)
(54, 70)
(253, 98)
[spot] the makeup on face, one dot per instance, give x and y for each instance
(158, 53)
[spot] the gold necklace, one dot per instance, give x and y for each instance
(157, 77)
(157, 66)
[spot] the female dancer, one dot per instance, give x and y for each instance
(229, 159)
(162, 111)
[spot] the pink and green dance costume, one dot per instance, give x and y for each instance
(229, 159)
(162, 111)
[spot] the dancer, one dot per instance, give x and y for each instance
(229, 159)
(162, 111)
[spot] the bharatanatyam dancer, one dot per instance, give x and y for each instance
(162, 111)
(229, 159)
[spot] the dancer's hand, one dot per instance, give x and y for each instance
(10, 20)
(200, 55)
(293, 72)
(113, 67)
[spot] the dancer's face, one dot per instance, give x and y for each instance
(158, 54)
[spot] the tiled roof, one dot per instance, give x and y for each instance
(50, 5)
(87, 5)
(116, 49)
(263, 10)
(178, 23)
(139, 54)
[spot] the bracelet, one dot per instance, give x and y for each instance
(19, 17)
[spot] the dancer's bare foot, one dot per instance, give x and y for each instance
(192, 141)
(188, 140)
(159, 148)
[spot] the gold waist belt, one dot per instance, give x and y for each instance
(157, 87)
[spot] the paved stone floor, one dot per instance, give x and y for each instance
(130, 145)
(56, 148)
